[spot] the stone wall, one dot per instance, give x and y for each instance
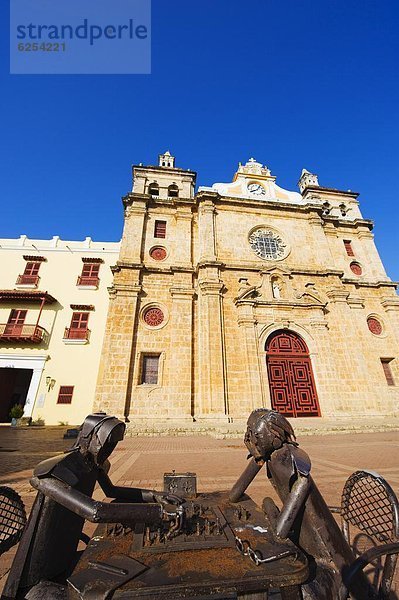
(219, 309)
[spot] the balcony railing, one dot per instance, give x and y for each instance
(76, 334)
(28, 280)
(84, 280)
(23, 333)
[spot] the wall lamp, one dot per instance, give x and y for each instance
(50, 383)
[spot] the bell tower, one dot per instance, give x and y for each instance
(166, 160)
(307, 179)
(147, 359)
(163, 181)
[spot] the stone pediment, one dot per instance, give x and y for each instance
(310, 297)
(250, 293)
(276, 271)
(253, 181)
(253, 296)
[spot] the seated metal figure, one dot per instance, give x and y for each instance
(304, 517)
(48, 549)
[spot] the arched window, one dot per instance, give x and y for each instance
(173, 191)
(153, 189)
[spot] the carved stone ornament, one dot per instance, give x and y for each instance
(374, 325)
(153, 316)
(356, 268)
(158, 253)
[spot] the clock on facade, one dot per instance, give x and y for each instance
(256, 189)
(267, 244)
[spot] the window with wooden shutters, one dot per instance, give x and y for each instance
(89, 274)
(78, 329)
(387, 370)
(348, 248)
(15, 322)
(160, 229)
(150, 368)
(31, 274)
(65, 394)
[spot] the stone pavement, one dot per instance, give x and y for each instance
(142, 461)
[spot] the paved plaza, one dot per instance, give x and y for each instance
(142, 461)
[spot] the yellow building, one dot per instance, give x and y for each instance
(53, 308)
(245, 294)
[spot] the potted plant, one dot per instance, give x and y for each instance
(16, 413)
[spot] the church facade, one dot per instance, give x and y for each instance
(244, 294)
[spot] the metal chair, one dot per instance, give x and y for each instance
(370, 510)
(12, 518)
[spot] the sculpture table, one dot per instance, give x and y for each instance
(203, 561)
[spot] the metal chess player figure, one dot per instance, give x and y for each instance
(48, 549)
(304, 517)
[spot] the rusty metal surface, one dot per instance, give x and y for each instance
(195, 571)
(205, 527)
(99, 580)
(180, 484)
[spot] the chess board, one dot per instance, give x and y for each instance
(204, 527)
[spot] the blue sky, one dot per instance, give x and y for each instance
(310, 83)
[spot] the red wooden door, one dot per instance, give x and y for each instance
(291, 381)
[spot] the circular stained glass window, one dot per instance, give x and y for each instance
(374, 325)
(356, 268)
(153, 316)
(267, 244)
(158, 253)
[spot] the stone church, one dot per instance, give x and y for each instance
(243, 295)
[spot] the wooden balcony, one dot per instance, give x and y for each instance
(90, 281)
(32, 280)
(76, 334)
(23, 333)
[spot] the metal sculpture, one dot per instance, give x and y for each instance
(304, 516)
(12, 518)
(48, 549)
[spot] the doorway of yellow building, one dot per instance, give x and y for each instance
(14, 386)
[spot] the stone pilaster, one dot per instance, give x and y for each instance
(347, 352)
(180, 378)
(183, 235)
(249, 339)
(391, 307)
(212, 375)
(133, 231)
(319, 240)
(372, 264)
(114, 376)
(206, 231)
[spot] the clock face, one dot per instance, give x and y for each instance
(256, 189)
(267, 244)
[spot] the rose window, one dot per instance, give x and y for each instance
(153, 316)
(158, 253)
(267, 244)
(374, 325)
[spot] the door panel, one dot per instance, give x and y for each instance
(292, 386)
